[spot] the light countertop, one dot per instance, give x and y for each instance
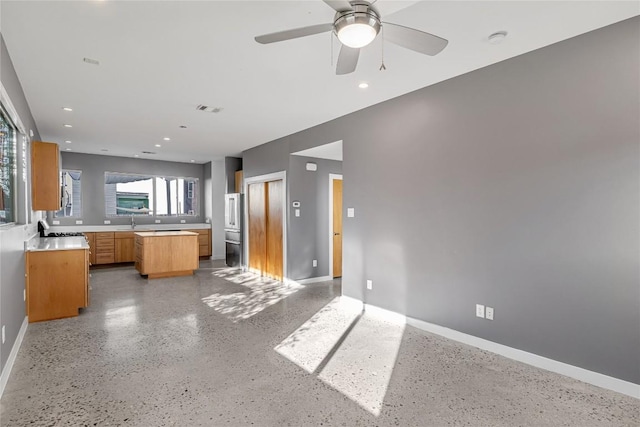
(56, 243)
(125, 227)
(164, 233)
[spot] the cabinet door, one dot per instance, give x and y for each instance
(91, 239)
(45, 176)
(125, 250)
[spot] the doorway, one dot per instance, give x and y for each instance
(335, 225)
(265, 212)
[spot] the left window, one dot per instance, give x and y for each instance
(71, 194)
(7, 170)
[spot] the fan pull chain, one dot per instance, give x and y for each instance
(382, 67)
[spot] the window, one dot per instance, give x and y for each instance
(129, 194)
(71, 194)
(7, 170)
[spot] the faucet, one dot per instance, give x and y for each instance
(133, 222)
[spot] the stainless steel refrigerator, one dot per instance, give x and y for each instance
(233, 228)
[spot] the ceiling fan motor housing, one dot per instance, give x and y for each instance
(361, 16)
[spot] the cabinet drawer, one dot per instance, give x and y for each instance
(202, 232)
(204, 250)
(105, 243)
(104, 235)
(124, 235)
(203, 239)
(105, 258)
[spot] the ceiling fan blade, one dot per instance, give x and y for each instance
(339, 5)
(347, 60)
(413, 39)
(294, 34)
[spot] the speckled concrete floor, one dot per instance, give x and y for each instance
(201, 351)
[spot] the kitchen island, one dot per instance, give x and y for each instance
(166, 253)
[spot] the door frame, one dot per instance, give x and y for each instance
(275, 176)
(332, 177)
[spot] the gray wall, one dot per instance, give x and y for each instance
(93, 168)
(514, 186)
(12, 284)
(308, 235)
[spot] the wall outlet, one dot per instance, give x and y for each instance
(78, 222)
(297, 212)
(3, 337)
(369, 284)
(107, 222)
(489, 313)
(480, 310)
(55, 222)
(351, 212)
(315, 262)
(157, 221)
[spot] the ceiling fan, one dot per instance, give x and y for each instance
(357, 24)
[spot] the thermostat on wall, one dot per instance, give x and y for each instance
(296, 204)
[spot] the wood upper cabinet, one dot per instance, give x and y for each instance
(239, 182)
(45, 176)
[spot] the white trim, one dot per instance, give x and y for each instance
(332, 177)
(575, 372)
(275, 176)
(312, 280)
(12, 112)
(4, 378)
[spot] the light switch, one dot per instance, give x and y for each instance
(351, 212)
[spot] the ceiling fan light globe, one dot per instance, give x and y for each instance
(357, 35)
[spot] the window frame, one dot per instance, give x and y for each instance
(13, 165)
(154, 208)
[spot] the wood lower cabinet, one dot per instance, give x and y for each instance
(57, 283)
(166, 253)
(91, 240)
(124, 250)
(105, 248)
(119, 246)
(45, 176)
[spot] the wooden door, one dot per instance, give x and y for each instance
(337, 228)
(275, 197)
(256, 202)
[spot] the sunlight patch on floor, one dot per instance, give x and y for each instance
(260, 293)
(362, 367)
(310, 344)
(351, 351)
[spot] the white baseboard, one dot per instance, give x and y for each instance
(4, 378)
(581, 374)
(313, 280)
(218, 257)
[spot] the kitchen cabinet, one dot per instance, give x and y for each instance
(57, 280)
(204, 242)
(124, 249)
(91, 240)
(239, 183)
(45, 176)
(105, 248)
(166, 253)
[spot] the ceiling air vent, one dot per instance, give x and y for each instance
(91, 61)
(208, 109)
(148, 152)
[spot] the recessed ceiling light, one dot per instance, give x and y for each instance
(68, 142)
(67, 126)
(68, 149)
(166, 138)
(67, 109)
(136, 155)
(104, 149)
(363, 85)
(193, 161)
(497, 37)
(158, 145)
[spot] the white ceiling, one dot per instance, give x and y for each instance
(160, 59)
